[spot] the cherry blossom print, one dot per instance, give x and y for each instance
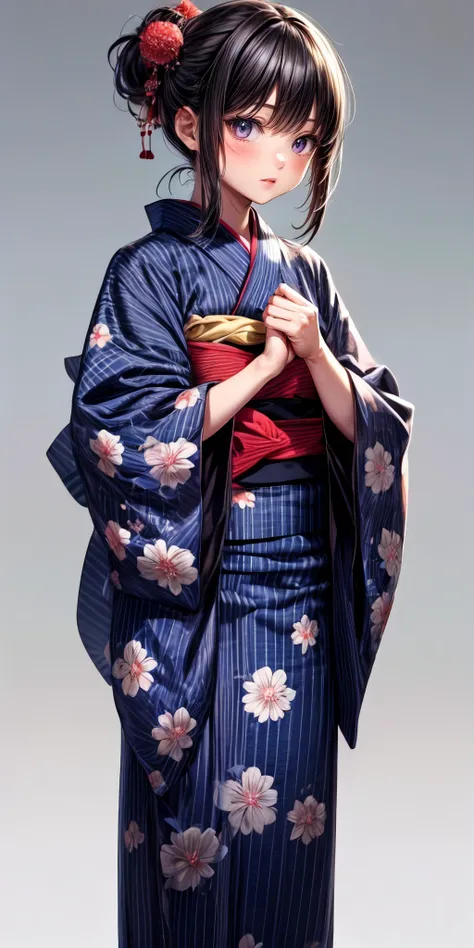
(99, 336)
(309, 818)
(137, 526)
(248, 941)
(109, 449)
(244, 498)
(305, 633)
(173, 733)
(169, 463)
(115, 578)
(187, 399)
(380, 612)
(390, 549)
(117, 538)
(379, 471)
(134, 668)
(156, 779)
(268, 697)
(133, 836)
(168, 567)
(186, 860)
(250, 803)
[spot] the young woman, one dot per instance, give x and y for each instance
(243, 459)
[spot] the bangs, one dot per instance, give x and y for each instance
(279, 58)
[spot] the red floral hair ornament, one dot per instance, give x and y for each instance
(160, 45)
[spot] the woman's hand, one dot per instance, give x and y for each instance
(278, 352)
(294, 316)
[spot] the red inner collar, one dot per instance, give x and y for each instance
(252, 226)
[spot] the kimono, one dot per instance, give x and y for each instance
(237, 629)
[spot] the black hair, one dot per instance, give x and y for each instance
(233, 56)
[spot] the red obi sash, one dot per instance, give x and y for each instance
(255, 435)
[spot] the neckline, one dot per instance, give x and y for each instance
(249, 248)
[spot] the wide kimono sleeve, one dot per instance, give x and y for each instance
(368, 500)
(133, 451)
(158, 495)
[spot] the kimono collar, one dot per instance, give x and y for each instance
(258, 282)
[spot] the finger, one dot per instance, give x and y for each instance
(283, 325)
(291, 294)
(299, 318)
(283, 301)
(274, 309)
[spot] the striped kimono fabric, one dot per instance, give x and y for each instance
(274, 620)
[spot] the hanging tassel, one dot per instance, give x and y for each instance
(143, 153)
(149, 153)
(146, 122)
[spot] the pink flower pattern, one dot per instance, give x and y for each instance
(99, 336)
(305, 633)
(117, 538)
(156, 779)
(380, 612)
(379, 471)
(170, 464)
(390, 549)
(109, 448)
(173, 733)
(168, 567)
(187, 399)
(309, 818)
(268, 697)
(186, 860)
(250, 803)
(134, 668)
(133, 836)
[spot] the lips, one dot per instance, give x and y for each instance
(268, 179)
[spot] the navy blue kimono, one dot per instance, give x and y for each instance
(238, 629)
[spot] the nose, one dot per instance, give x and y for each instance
(280, 158)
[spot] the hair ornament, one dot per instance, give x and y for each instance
(160, 45)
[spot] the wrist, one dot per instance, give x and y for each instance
(264, 368)
(318, 356)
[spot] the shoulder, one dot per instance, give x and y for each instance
(313, 269)
(305, 257)
(151, 261)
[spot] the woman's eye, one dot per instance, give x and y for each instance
(303, 142)
(248, 130)
(242, 129)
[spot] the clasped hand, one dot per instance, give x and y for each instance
(289, 313)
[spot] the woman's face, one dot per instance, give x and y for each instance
(253, 154)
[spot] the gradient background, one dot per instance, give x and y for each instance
(398, 239)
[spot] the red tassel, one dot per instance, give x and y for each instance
(149, 152)
(143, 153)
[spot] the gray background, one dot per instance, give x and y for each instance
(398, 239)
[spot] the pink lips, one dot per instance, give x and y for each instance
(269, 180)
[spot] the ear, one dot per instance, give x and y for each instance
(186, 127)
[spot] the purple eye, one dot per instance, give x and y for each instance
(306, 140)
(243, 128)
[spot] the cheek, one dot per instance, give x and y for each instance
(298, 164)
(239, 153)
